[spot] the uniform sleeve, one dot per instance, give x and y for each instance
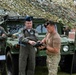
(5, 34)
(23, 40)
(57, 43)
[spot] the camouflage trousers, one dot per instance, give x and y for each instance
(52, 64)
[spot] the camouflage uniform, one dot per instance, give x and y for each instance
(27, 52)
(53, 59)
(2, 40)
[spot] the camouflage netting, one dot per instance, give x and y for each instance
(47, 9)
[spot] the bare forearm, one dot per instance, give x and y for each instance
(52, 50)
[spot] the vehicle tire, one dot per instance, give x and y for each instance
(62, 63)
(15, 59)
(66, 63)
(12, 64)
(9, 64)
(4, 70)
(74, 64)
(41, 61)
(3, 67)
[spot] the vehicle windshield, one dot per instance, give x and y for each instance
(41, 29)
(14, 28)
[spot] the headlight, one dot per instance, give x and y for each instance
(65, 48)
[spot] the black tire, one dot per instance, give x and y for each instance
(41, 61)
(6, 71)
(9, 64)
(12, 64)
(62, 63)
(3, 67)
(74, 64)
(15, 59)
(66, 63)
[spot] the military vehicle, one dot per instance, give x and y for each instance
(3, 67)
(12, 26)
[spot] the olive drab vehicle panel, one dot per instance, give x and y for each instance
(12, 26)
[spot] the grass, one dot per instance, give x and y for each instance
(43, 71)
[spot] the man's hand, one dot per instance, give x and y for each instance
(32, 42)
(41, 47)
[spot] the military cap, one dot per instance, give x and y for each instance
(51, 23)
(28, 18)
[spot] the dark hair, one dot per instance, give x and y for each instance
(49, 23)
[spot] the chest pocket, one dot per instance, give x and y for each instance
(28, 33)
(32, 32)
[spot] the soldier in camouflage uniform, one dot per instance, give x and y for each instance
(27, 39)
(3, 38)
(53, 43)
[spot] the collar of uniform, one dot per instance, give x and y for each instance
(27, 29)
